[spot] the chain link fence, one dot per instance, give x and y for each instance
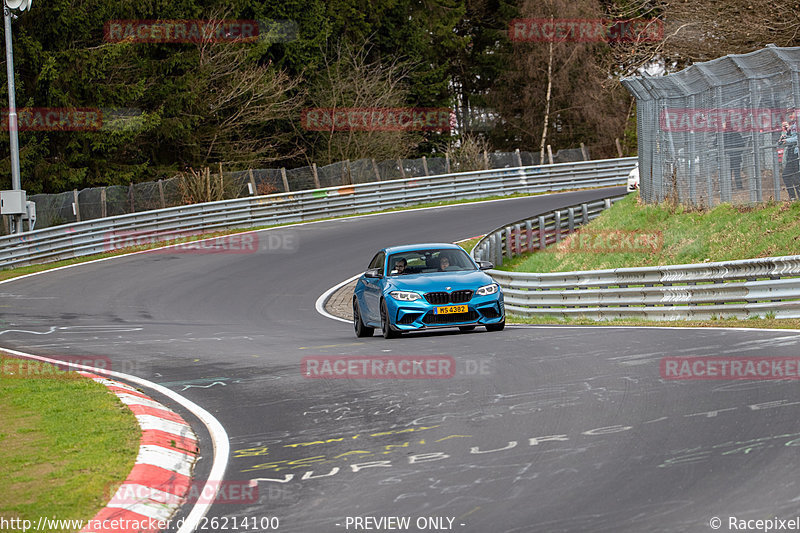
(99, 202)
(713, 133)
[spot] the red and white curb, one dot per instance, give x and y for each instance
(161, 477)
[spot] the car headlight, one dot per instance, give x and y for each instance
(486, 290)
(404, 296)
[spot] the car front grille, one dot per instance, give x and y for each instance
(456, 297)
(453, 318)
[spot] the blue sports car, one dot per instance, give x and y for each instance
(424, 286)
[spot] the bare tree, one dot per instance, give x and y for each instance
(201, 186)
(560, 92)
(702, 30)
(546, 119)
(699, 31)
(351, 80)
(236, 100)
(468, 153)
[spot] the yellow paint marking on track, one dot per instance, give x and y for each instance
(263, 450)
(452, 437)
(330, 346)
(469, 513)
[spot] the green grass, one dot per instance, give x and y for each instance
(723, 233)
(65, 442)
(21, 271)
(759, 323)
(682, 236)
(468, 244)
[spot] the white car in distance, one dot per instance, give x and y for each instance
(633, 178)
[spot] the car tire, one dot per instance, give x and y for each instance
(358, 324)
(388, 332)
(466, 328)
(496, 327)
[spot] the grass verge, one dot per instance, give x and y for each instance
(684, 236)
(758, 323)
(469, 244)
(673, 235)
(65, 442)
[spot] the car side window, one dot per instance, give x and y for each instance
(377, 261)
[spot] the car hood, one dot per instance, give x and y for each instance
(439, 281)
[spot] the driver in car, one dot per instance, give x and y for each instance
(444, 262)
(400, 266)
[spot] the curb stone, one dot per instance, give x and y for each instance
(161, 478)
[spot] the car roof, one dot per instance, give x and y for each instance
(425, 246)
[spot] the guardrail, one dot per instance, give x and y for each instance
(98, 235)
(535, 233)
(742, 289)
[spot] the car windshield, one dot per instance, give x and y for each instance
(429, 261)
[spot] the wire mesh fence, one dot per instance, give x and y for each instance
(721, 131)
(99, 202)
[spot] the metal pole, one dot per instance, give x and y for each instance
(16, 220)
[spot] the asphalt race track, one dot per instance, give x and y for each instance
(541, 429)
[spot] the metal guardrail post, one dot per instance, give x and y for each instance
(571, 215)
(529, 235)
(542, 236)
(558, 225)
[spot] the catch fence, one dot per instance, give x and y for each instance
(100, 202)
(711, 133)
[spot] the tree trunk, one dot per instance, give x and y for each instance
(547, 101)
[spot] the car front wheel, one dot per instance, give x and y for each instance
(386, 327)
(358, 324)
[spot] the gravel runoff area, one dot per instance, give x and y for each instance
(341, 302)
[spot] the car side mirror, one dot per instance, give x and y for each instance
(485, 265)
(373, 273)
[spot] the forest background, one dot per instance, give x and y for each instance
(174, 107)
